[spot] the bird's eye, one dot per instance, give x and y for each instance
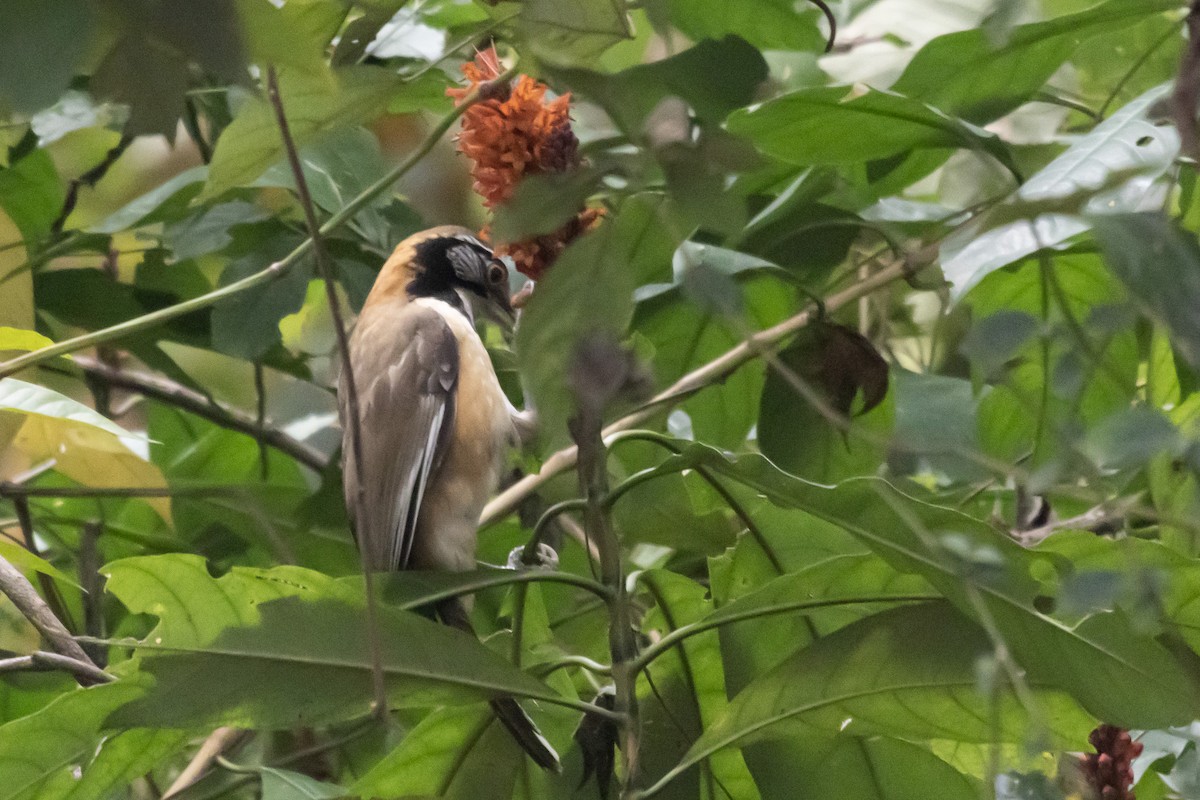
(497, 273)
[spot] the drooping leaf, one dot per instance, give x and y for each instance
(844, 373)
(283, 784)
(766, 24)
(1160, 265)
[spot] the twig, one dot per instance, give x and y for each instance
(1096, 519)
(1187, 85)
(216, 743)
(167, 391)
(86, 672)
(355, 422)
(89, 179)
(21, 592)
(712, 372)
(270, 273)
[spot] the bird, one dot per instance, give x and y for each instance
(435, 422)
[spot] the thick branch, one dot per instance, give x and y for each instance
(21, 592)
(712, 372)
(167, 391)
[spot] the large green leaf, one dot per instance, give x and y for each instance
(849, 125)
(968, 74)
(910, 672)
(38, 752)
(988, 575)
(252, 142)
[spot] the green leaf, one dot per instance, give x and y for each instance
(86, 446)
(840, 590)
(27, 562)
(45, 746)
(1110, 169)
(930, 688)
(572, 31)
(681, 602)
(294, 35)
(247, 324)
(31, 194)
(713, 78)
(154, 205)
(282, 784)
(1160, 265)
(542, 204)
(41, 44)
(20, 339)
(962, 557)
(966, 74)
(851, 768)
(429, 760)
(252, 143)
(766, 24)
(263, 675)
(125, 757)
(848, 125)
(588, 291)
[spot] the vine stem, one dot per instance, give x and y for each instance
(712, 372)
(267, 275)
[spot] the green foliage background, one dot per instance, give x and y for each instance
(931, 585)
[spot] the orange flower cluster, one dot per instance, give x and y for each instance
(511, 133)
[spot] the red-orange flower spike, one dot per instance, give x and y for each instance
(512, 132)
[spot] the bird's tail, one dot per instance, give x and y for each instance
(506, 709)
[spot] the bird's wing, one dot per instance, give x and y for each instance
(405, 370)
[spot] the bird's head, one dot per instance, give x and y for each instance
(445, 263)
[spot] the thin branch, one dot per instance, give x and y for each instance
(164, 390)
(217, 742)
(339, 328)
(89, 179)
(267, 275)
(712, 372)
(21, 592)
(1098, 519)
(1187, 85)
(86, 672)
